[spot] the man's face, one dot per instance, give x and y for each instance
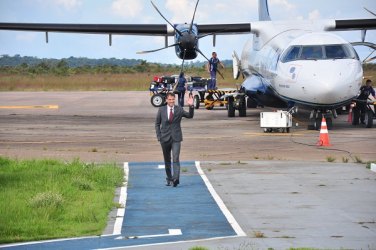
(170, 101)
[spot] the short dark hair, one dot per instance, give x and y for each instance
(170, 94)
(368, 80)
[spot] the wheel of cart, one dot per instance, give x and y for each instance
(196, 101)
(199, 97)
(157, 100)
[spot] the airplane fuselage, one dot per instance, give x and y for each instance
(299, 66)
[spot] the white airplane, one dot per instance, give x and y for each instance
(299, 63)
(286, 64)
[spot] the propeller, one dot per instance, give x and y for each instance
(369, 58)
(193, 18)
(155, 50)
(176, 30)
(185, 41)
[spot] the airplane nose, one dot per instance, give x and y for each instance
(330, 83)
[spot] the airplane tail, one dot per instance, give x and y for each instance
(264, 11)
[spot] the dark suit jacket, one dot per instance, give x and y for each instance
(166, 130)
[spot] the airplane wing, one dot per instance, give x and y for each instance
(124, 29)
(355, 24)
(163, 29)
(128, 29)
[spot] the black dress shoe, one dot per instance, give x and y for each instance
(175, 182)
(168, 182)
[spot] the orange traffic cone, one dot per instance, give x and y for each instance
(324, 136)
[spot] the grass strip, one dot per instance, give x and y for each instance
(46, 199)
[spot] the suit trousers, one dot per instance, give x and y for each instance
(167, 148)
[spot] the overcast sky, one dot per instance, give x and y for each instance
(62, 45)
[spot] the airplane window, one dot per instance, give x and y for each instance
(335, 52)
(350, 51)
(292, 54)
(316, 52)
(312, 52)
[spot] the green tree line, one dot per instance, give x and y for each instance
(26, 65)
(62, 69)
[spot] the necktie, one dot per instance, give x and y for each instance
(171, 115)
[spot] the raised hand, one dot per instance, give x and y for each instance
(190, 99)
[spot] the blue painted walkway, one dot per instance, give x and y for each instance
(153, 208)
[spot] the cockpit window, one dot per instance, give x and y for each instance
(319, 52)
(293, 54)
(335, 52)
(312, 52)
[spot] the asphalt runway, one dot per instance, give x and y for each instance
(119, 126)
(280, 187)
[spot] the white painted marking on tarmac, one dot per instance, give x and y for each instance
(230, 218)
(171, 232)
(161, 166)
(122, 201)
(49, 241)
(143, 246)
(373, 167)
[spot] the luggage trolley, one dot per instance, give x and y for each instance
(159, 88)
(218, 97)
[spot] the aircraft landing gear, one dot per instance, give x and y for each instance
(316, 117)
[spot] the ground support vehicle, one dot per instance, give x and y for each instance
(198, 85)
(279, 121)
(370, 114)
(159, 88)
(231, 98)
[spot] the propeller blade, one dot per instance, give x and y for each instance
(219, 72)
(369, 11)
(369, 59)
(199, 51)
(155, 7)
(193, 18)
(154, 50)
(182, 64)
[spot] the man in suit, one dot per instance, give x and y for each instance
(169, 134)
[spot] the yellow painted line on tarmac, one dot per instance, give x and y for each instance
(278, 134)
(30, 107)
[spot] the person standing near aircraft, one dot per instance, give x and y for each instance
(365, 92)
(212, 68)
(169, 134)
(181, 89)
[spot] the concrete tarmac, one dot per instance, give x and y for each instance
(280, 187)
(293, 204)
(119, 126)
